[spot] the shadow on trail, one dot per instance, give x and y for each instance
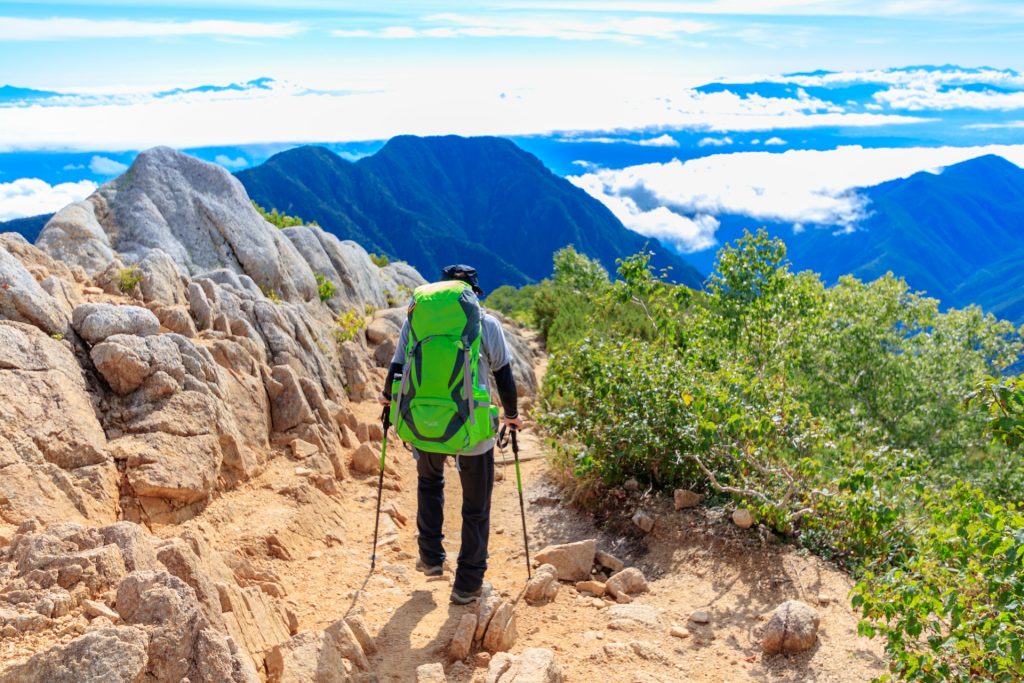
(396, 654)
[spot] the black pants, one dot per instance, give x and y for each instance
(477, 475)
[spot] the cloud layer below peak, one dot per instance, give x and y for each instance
(680, 201)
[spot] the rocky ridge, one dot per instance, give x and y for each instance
(160, 345)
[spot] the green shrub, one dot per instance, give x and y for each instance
(836, 413)
(348, 326)
(271, 294)
(325, 287)
(128, 279)
(380, 260)
(281, 220)
(952, 610)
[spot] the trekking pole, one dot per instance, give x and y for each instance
(519, 487)
(385, 418)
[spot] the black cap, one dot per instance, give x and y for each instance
(465, 273)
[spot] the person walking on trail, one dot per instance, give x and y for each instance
(437, 388)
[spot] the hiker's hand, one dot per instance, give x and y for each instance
(513, 422)
(383, 399)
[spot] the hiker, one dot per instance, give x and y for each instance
(444, 410)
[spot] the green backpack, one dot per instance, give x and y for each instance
(439, 405)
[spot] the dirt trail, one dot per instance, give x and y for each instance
(695, 560)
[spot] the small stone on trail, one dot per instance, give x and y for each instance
(700, 617)
(687, 499)
(431, 673)
(626, 582)
(631, 485)
(92, 290)
(679, 632)
(543, 586)
(609, 561)
(623, 599)
(599, 603)
(572, 561)
(499, 530)
(824, 600)
(594, 587)
(395, 512)
(792, 628)
(315, 555)
(742, 518)
(643, 521)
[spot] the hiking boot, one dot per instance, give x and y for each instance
(429, 569)
(466, 597)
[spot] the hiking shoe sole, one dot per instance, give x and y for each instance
(466, 597)
(429, 569)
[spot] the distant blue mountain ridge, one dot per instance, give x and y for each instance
(957, 235)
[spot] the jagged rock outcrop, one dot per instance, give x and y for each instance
(179, 349)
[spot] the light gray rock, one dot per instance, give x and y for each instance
(626, 582)
(400, 279)
(501, 629)
(22, 299)
(534, 665)
(75, 235)
(162, 281)
(183, 643)
(198, 214)
(96, 322)
(112, 655)
(543, 587)
(572, 561)
(462, 641)
(431, 673)
(792, 628)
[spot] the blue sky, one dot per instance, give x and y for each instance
(74, 45)
(611, 94)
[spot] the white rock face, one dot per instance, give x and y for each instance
(194, 211)
(24, 300)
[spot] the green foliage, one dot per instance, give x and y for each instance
(837, 413)
(271, 294)
(280, 220)
(516, 303)
(1004, 398)
(380, 260)
(348, 326)
(951, 611)
(128, 279)
(325, 287)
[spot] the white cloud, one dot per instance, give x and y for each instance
(68, 28)
(227, 162)
(74, 167)
(290, 114)
(996, 126)
(31, 196)
(775, 141)
(560, 27)
(665, 140)
(715, 142)
(808, 8)
(106, 166)
(681, 199)
(929, 98)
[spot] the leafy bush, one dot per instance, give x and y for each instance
(348, 326)
(281, 220)
(271, 294)
(837, 413)
(325, 287)
(952, 610)
(380, 260)
(128, 279)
